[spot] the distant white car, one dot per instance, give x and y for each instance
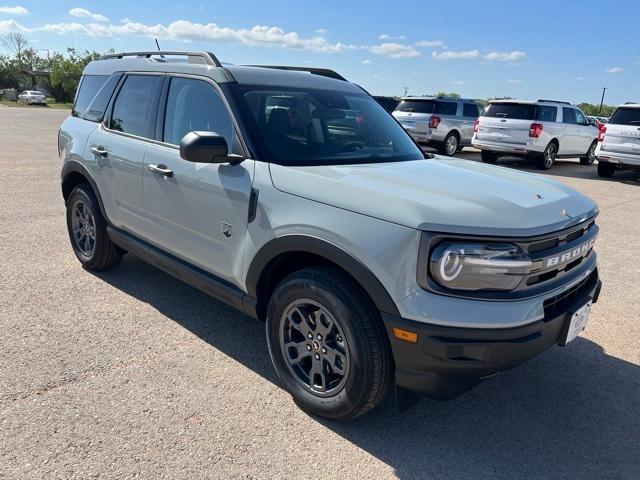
(33, 96)
(619, 145)
(543, 131)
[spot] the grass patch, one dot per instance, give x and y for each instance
(50, 104)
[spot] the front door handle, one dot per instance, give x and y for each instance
(160, 170)
(99, 151)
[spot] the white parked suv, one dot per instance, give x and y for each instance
(619, 145)
(542, 131)
(443, 123)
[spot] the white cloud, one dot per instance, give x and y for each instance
(504, 56)
(453, 55)
(430, 43)
(395, 50)
(614, 70)
(8, 26)
(514, 81)
(366, 61)
(321, 31)
(384, 36)
(84, 13)
(17, 10)
(459, 82)
(126, 20)
(186, 31)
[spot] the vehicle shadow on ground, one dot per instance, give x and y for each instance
(570, 413)
(570, 168)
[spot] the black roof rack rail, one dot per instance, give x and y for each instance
(630, 103)
(554, 101)
(325, 72)
(206, 58)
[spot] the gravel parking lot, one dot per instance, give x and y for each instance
(131, 373)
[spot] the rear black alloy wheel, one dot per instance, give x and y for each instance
(488, 157)
(313, 343)
(606, 169)
(590, 157)
(328, 344)
(548, 158)
(88, 230)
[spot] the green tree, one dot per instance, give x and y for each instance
(66, 71)
(9, 72)
(448, 95)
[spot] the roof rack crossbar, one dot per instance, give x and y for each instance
(554, 101)
(325, 72)
(206, 58)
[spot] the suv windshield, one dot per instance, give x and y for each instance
(320, 127)
(521, 111)
(626, 116)
(416, 106)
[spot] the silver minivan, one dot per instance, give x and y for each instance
(440, 122)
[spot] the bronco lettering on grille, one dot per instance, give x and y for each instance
(579, 251)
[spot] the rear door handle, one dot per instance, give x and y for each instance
(99, 151)
(160, 170)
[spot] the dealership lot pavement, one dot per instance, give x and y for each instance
(130, 373)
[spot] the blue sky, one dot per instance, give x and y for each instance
(553, 49)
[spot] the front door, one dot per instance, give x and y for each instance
(197, 211)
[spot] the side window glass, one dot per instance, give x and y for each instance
(470, 110)
(580, 118)
(99, 104)
(445, 108)
(568, 115)
(194, 105)
(547, 114)
(89, 86)
(135, 106)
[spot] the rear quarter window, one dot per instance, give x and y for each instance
(87, 90)
(626, 116)
(446, 108)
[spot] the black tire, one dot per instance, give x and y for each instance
(488, 157)
(103, 254)
(548, 158)
(450, 145)
(590, 157)
(606, 169)
(358, 334)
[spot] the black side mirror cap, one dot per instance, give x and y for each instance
(206, 147)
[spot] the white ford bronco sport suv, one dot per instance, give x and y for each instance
(542, 131)
(619, 145)
(296, 198)
(443, 123)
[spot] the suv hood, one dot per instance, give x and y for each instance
(442, 195)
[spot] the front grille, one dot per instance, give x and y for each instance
(558, 244)
(560, 303)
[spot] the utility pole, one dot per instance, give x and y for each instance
(406, 89)
(604, 89)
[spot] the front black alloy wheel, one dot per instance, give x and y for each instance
(590, 157)
(327, 343)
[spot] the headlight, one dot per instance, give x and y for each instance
(478, 266)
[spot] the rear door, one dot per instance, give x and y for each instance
(623, 132)
(119, 144)
(506, 123)
(570, 137)
(200, 211)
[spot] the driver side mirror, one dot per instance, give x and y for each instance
(206, 147)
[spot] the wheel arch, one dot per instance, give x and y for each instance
(284, 255)
(73, 174)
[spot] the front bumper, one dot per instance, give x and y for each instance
(447, 361)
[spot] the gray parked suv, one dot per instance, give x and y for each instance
(294, 197)
(443, 123)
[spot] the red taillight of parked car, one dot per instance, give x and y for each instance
(535, 130)
(475, 126)
(434, 122)
(602, 131)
